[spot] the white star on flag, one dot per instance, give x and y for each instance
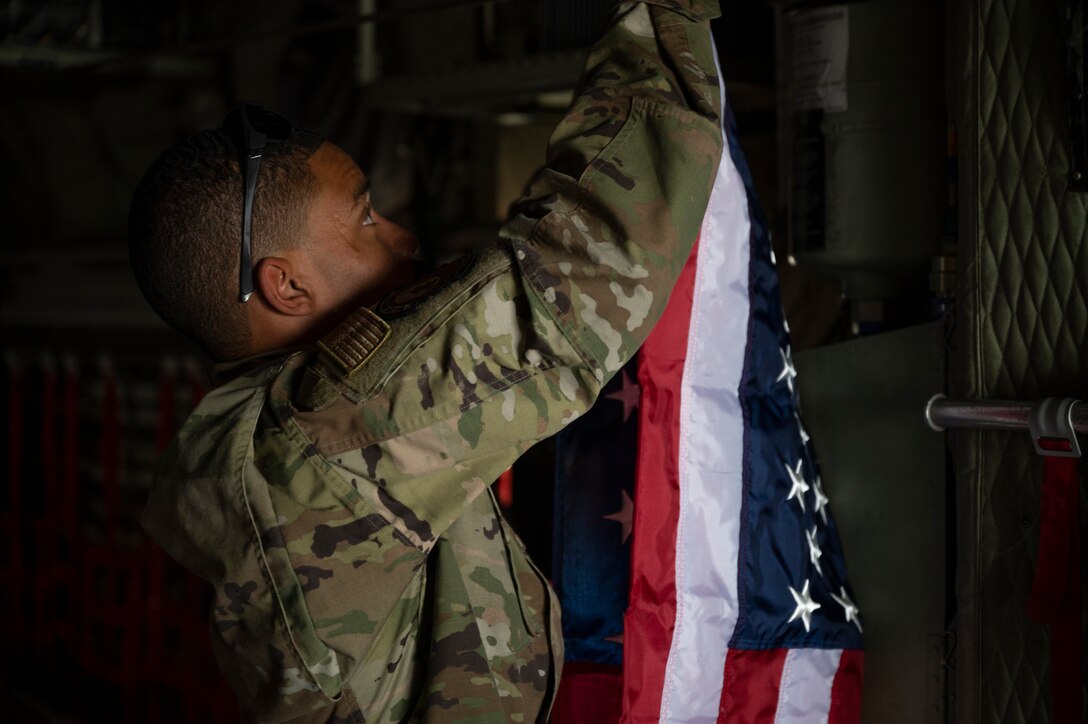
(624, 516)
(821, 500)
(789, 372)
(801, 429)
(798, 486)
(805, 606)
(849, 610)
(814, 551)
(628, 394)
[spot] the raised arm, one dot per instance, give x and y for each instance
(603, 231)
(599, 236)
(453, 378)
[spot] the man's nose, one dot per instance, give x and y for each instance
(401, 242)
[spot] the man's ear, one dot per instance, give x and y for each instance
(282, 288)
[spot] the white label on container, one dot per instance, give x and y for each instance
(819, 40)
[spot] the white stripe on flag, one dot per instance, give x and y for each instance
(805, 693)
(711, 456)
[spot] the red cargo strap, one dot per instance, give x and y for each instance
(15, 441)
(1056, 590)
(66, 504)
(109, 450)
(167, 404)
(50, 458)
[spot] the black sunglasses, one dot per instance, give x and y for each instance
(252, 127)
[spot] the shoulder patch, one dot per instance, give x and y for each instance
(404, 300)
(355, 339)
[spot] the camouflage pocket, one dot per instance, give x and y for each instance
(493, 580)
(529, 582)
(346, 580)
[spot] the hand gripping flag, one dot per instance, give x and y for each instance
(738, 605)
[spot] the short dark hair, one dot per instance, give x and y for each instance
(185, 230)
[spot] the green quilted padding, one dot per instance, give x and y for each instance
(1022, 333)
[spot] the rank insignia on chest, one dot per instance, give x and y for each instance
(353, 342)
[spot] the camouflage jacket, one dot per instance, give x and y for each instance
(337, 498)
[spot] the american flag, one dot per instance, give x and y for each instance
(737, 603)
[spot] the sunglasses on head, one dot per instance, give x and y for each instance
(252, 127)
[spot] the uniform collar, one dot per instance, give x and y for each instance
(224, 372)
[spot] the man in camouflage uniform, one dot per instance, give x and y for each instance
(337, 495)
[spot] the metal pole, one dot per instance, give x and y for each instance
(942, 413)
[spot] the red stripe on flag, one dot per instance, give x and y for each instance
(588, 694)
(846, 689)
(506, 488)
(651, 612)
(750, 686)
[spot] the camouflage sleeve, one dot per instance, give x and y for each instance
(434, 395)
(451, 379)
(602, 232)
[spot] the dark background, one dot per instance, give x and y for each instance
(446, 105)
